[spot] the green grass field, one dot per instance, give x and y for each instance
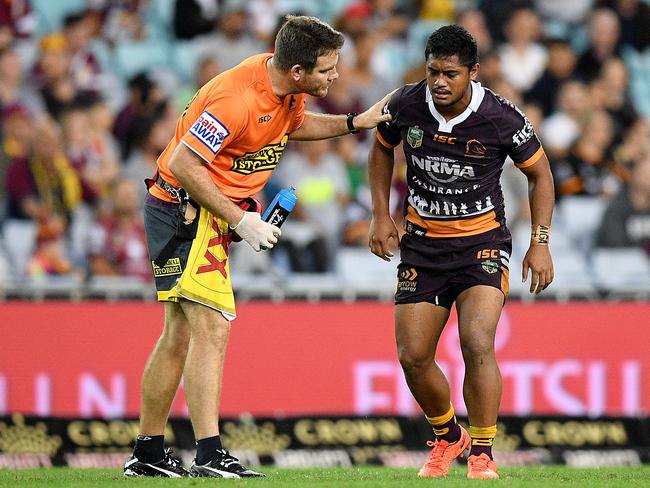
(546, 477)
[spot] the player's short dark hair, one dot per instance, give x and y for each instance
(452, 40)
(301, 40)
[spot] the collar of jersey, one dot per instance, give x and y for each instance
(268, 88)
(447, 126)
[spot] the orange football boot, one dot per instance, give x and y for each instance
(481, 468)
(443, 454)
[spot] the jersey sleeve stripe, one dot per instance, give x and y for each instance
(384, 142)
(196, 152)
(531, 160)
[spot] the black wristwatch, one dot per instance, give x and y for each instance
(350, 122)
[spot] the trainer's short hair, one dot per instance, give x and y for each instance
(301, 40)
(452, 40)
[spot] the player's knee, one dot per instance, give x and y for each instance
(477, 350)
(414, 359)
(175, 342)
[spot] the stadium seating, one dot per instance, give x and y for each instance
(50, 13)
(362, 273)
(625, 270)
(580, 217)
(134, 57)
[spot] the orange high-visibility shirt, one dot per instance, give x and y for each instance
(238, 127)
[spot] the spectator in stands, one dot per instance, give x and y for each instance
(473, 21)
(6, 36)
(343, 96)
(232, 42)
(497, 14)
(194, 17)
(626, 222)
(143, 99)
(387, 19)
(125, 21)
(610, 92)
(102, 142)
(206, 69)
(568, 14)
(14, 145)
(97, 169)
(562, 128)
(50, 258)
(634, 146)
(263, 16)
(604, 36)
(588, 169)
(437, 10)
(19, 17)
(561, 63)
(153, 134)
(13, 88)
(523, 59)
(85, 70)
(41, 185)
(366, 84)
(491, 71)
(353, 21)
(118, 246)
(321, 183)
(52, 75)
(634, 19)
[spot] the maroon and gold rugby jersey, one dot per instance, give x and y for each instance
(454, 167)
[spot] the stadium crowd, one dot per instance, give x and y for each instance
(90, 91)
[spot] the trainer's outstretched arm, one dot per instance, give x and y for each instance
(323, 126)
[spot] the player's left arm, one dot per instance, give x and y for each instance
(542, 200)
(323, 126)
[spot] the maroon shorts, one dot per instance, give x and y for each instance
(438, 270)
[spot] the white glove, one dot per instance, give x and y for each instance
(256, 232)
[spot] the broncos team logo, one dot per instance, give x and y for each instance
(475, 149)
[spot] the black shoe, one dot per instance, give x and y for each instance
(223, 465)
(168, 467)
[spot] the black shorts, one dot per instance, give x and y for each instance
(438, 270)
(197, 268)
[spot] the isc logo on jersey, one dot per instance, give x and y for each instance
(209, 131)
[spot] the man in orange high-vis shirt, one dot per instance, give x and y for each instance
(227, 142)
(456, 136)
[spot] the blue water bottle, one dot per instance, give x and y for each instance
(280, 207)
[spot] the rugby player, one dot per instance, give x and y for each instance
(456, 136)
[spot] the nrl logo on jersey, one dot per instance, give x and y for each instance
(266, 159)
(414, 137)
(443, 170)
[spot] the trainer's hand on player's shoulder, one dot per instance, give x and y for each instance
(374, 115)
(256, 232)
(382, 232)
(540, 263)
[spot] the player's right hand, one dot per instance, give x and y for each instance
(256, 232)
(382, 231)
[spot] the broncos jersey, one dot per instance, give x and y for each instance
(454, 166)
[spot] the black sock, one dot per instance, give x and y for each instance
(149, 448)
(205, 449)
